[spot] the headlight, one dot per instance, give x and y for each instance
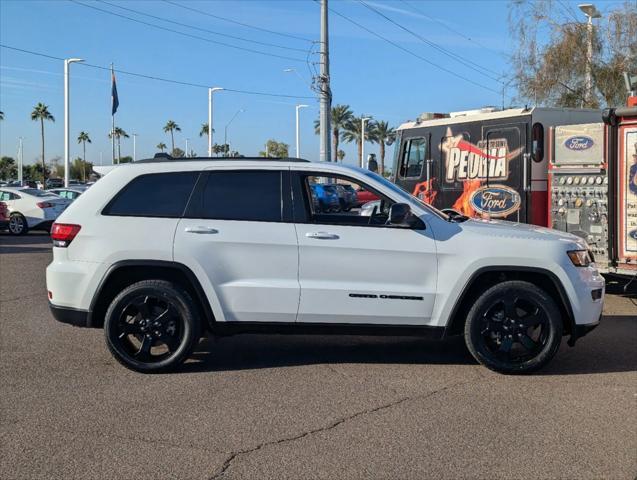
(580, 258)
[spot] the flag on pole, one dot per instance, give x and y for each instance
(114, 98)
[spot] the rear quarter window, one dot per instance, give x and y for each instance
(154, 195)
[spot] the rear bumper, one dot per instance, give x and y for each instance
(72, 316)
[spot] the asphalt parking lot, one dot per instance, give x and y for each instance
(275, 407)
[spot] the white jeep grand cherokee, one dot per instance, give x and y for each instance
(159, 251)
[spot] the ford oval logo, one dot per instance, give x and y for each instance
(496, 200)
(633, 234)
(579, 143)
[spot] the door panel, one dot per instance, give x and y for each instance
(252, 266)
(366, 275)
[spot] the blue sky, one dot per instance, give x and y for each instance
(371, 75)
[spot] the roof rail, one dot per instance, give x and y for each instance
(164, 157)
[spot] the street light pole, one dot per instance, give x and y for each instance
(591, 12)
(298, 132)
(67, 139)
(363, 121)
(210, 92)
(134, 147)
(225, 130)
(20, 162)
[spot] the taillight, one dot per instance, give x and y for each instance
(45, 205)
(63, 234)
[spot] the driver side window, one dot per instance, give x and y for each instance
(338, 200)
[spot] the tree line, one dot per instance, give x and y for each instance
(347, 127)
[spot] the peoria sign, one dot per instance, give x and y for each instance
(466, 161)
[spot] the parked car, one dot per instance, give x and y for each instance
(54, 183)
(327, 197)
(364, 196)
(155, 270)
(70, 193)
(346, 198)
(4, 216)
(31, 209)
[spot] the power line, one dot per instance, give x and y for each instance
(259, 52)
(451, 29)
(468, 63)
(413, 54)
(247, 25)
(163, 19)
(159, 79)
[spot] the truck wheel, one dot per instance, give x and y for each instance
(152, 326)
(18, 224)
(514, 327)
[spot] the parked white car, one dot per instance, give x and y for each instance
(157, 252)
(70, 193)
(31, 209)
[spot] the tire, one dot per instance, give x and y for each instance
(18, 224)
(514, 327)
(152, 326)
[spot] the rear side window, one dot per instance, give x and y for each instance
(248, 195)
(154, 195)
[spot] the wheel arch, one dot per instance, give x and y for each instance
(486, 277)
(126, 272)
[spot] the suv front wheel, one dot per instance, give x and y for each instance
(151, 326)
(514, 327)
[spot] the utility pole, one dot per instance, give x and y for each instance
(298, 133)
(363, 122)
(20, 162)
(134, 147)
(187, 140)
(325, 117)
(67, 120)
(591, 12)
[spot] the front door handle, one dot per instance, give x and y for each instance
(208, 230)
(322, 235)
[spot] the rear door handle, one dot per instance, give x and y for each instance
(322, 235)
(208, 230)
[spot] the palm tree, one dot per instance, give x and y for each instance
(352, 133)
(83, 138)
(204, 130)
(1, 115)
(161, 146)
(385, 135)
(341, 116)
(118, 133)
(171, 127)
(41, 112)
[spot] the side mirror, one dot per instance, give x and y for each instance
(398, 213)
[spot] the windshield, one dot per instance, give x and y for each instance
(408, 197)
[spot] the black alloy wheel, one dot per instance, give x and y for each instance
(151, 326)
(514, 327)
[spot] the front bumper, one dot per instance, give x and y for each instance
(580, 331)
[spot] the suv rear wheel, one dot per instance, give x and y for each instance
(514, 327)
(152, 326)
